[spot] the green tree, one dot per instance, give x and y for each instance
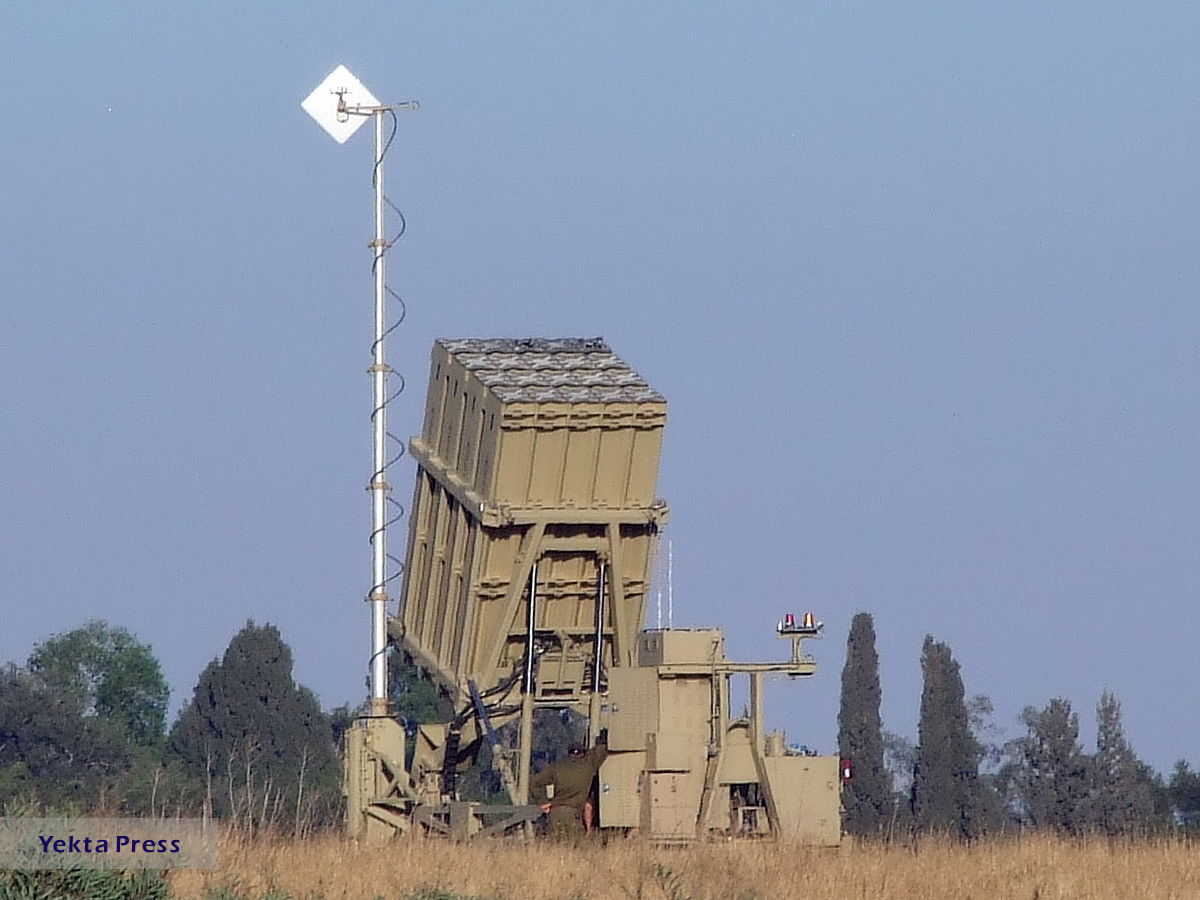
(988, 739)
(867, 797)
(111, 674)
(900, 757)
(1122, 798)
(1048, 775)
(946, 788)
(52, 754)
(1184, 792)
(414, 695)
(341, 719)
(258, 742)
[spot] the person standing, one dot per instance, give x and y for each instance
(562, 788)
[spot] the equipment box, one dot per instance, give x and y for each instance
(670, 802)
(620, 790)
(631, 709)
(680, 646)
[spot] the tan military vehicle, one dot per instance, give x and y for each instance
(533, 533)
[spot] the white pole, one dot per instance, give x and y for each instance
(341, 119)
(658, 578)
(379, 487)
(670, 584)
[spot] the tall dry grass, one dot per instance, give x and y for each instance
(1034, 867)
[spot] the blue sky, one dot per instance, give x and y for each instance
(918, 281)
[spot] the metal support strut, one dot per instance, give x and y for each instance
(595, 701)
(598, 648)
(525, 750)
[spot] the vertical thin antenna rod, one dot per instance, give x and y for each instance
(670, 584)
(379, 486)
(658, 579)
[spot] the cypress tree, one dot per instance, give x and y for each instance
(1122, 800)
(867, 798)
(257, 741)
(946, 789)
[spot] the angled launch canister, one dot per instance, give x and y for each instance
(538, 464)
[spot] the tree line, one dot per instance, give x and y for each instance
(959, 780)
(83, 729)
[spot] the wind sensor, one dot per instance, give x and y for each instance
(341, 104)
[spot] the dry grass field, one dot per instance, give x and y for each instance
(1035, 867)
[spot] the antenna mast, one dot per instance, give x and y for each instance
(340, 105)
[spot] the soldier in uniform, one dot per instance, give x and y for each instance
(571, 779)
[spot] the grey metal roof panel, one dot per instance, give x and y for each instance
(525, 345)
(551, 370)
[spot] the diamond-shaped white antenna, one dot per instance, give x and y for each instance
(330, 100)
(340, 104)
